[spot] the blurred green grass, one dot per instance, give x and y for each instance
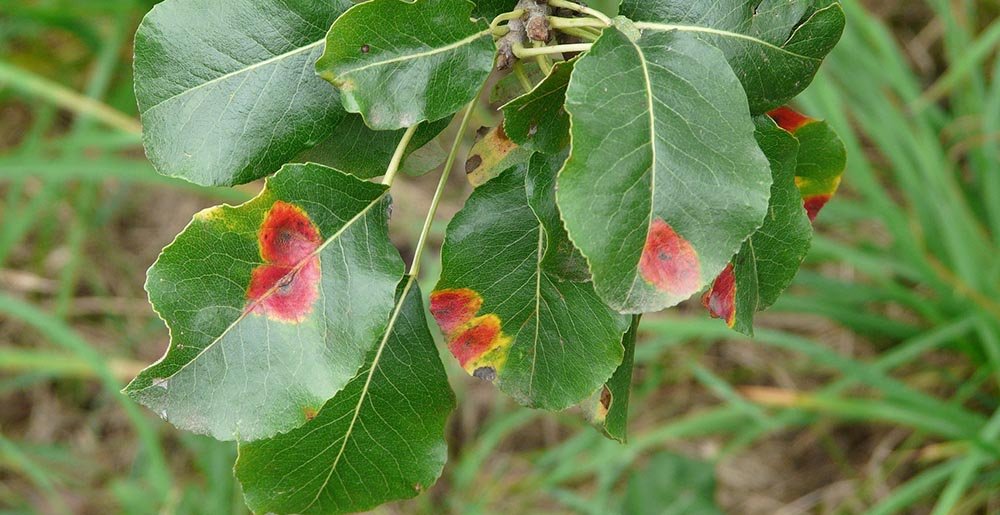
(871, 388)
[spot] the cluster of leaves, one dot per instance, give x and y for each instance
(650, 162)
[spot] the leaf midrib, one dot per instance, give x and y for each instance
(364, 391)
(246, 312)
(434, 51)
(718, 32)
(240, 71)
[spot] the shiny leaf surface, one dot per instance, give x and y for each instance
(227, 89)
(399, 63)
(378, 440)
(665, 179)
(272, 305)
(775, 46)
(505, 311)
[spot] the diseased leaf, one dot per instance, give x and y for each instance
(665, 180)
(227, 90)
(607, 408)
(380, 439)
(399, 63)
(507, 314)
(366, 153)
(272, 305)
(822, 158)
(537, 120)
(775, 46)
(672, 484)
(493, 153)
(768, 260)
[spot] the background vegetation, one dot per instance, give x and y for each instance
(871, 388)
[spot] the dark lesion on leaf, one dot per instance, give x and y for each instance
(486, 374)
(365, 49)
(473, 163)
(606, 398)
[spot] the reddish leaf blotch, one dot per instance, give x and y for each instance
(721, 299)
(286, 286)
(789, 119)
(669, 262)
(814, 205)
(478, 343)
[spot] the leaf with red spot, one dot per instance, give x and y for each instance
(664, 183)
(379, 439)
(822, 158)
(505, 304)
(768, 260)
(272, 305)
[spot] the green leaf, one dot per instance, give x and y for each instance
(775, 46)
(537, 120)
(378, 440)
(489, 9)
(607, 408)
(665, 179)
(672, 485)
(227, 90)
(272, 306)
(822, 158)
(506, 313)
(399, 63)
(366, 153)
(768, 260)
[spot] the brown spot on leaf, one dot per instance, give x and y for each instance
(365, 49)
(473, 163)
(310, 412)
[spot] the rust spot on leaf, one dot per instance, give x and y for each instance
(789, 119)
(721, 299)
(286, 286)
(814, 204)
(669, 262)
(310, 412)
(477, 342)
(287, 235)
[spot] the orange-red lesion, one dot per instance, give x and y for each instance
(286, 285)
(477, 342)
(669, 262)
(789, 119)
(814, 204)
(721, 299)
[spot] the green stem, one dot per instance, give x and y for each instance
(513, 15)
(439, 193)
(579, 32)
(573, 6)
(543, 61)
(397, 157)
(557, 22)
(522, 77)
(522, 52)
